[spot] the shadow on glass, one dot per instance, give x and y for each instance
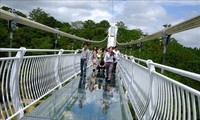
(81, 91)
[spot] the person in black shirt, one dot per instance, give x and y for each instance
(101, 65)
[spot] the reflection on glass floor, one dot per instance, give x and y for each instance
(85, 98)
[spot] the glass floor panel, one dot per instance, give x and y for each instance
(84, 98)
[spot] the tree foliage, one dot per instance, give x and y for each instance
(121, 25)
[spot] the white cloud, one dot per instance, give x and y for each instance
(190, 38)
(192, 13)
(99, 15)
(178, 2)
(147, 15)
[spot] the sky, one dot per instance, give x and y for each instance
(147, 15)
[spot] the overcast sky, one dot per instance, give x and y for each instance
(148, 15)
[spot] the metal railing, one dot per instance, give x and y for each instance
(27, 79)
(158, 97)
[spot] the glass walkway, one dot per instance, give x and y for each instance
(84, 98)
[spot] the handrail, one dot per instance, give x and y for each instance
(180, 27)
(10, 49)
(156, 96)
(33, 50)
(170, 69)
(24, 21)
(184, 73)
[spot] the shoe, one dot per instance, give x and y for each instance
(109, 79)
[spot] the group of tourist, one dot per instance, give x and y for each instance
(102, 59)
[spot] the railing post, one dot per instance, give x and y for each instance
(12, 24)
(14, 82)
(132, 75)
(150, 108)
(129, 82)
(75, 62)
(166, 39)
(140, 48)
(125, 56)
(56, 68)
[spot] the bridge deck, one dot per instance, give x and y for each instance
(84, 98)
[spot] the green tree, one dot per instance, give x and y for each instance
(41, 43)
(121, 25)
(38, 15)
(103, 24)
(89, 24)
(101, 30)
(16, 11)
(88, 29)
(77, 25)
(41, 16)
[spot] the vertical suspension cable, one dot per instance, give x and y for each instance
(112, 12)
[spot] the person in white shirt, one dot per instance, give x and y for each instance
(117, 57)
(108, 59)
(84, 59)
(94, 58)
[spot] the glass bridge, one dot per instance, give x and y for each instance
(84, 98)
